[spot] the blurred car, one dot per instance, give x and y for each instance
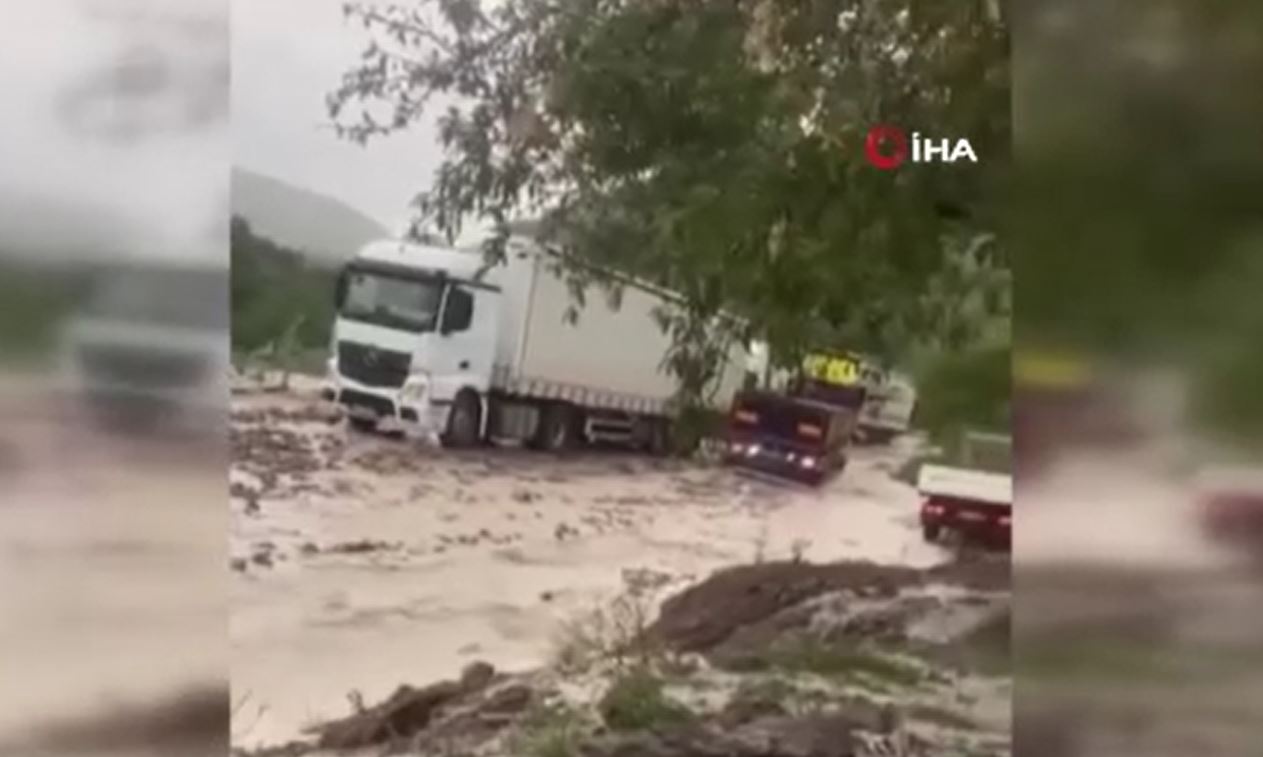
(1231, 508)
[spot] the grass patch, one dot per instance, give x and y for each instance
(878, 669)
(987, 650)
(549, 730)
(942, 716)
(637, 700)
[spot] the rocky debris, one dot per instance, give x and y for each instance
(565, 531)
(269, 453)
(751, 604)
(390, 460)
(360, 547)
(403, 714)
(702, 616)
(644, 580)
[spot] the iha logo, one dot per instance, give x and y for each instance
(887, 147)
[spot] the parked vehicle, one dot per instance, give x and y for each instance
(431, 339)
(889, 403)
(1231, 508)
(794, 437)
(973, 497)
(883, 400)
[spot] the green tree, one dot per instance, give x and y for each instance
(712, 147)
(276, 296)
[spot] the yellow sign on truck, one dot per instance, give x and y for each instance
(832, 369)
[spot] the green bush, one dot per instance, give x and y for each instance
(637, 699)
(971, 389)
(273, 288)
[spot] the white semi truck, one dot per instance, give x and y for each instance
(430, 340)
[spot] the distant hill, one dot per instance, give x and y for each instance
(326, 230)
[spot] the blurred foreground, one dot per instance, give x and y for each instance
(1139, 627)
(113, 236)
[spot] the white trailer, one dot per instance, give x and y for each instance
(429, 339)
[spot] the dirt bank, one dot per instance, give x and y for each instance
(831, 684)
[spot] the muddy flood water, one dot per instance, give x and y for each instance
(361, 561)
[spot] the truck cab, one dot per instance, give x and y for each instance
(415, 325)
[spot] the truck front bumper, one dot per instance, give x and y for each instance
(407, 409)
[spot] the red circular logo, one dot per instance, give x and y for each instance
(886, 147)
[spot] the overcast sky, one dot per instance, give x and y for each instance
(84, 175)
(286, 55)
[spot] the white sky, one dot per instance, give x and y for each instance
(286, 56)
(170, 187)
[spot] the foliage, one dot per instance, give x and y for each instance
(549, 730)
(637, 699)
(969, 389)
(34, 304)
(710, 147)
(280, 304)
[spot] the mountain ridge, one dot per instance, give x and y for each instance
(324, 228)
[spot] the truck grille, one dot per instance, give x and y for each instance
(373, 366)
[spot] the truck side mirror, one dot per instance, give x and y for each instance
(459, 312)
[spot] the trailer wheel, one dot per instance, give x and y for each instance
(558, 426)
(931, 531)
(463, 422)
(659, 442)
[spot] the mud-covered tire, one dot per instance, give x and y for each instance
(558, 429)
(464, 422)
(659, 442)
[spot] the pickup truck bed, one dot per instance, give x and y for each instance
(974, 503)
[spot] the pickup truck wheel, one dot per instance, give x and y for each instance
(463, 422)
(931, 531)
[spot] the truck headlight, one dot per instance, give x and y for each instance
(414, 390)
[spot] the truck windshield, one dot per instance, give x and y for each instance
(392, 301)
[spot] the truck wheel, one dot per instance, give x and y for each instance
(557, 429)
(464, 422)
(659, 442)
(931, 531)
